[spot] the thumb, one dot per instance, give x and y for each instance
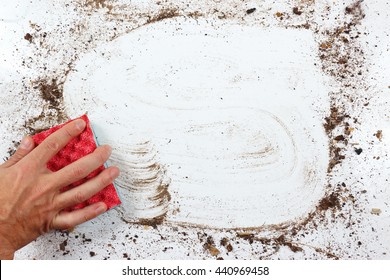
(26, 146)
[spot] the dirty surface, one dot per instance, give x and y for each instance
(243, 130)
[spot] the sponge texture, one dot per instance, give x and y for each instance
(77, 148)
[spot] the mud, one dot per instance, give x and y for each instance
(146, 185)
(165, 14)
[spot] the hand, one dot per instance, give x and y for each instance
(31, 202)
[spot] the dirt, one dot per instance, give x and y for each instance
(85, 239)
(343, 58)
(92, 254)
(328, 202)
(153, 222)
(151, 181)
(12, 150)
(28, 37)
(226, 243)
(32, 127)
(334, 120)
(379, 135)
(63, 245)
(358, 151)
(51, 92)
(165, 14)
(162, 194)
(281, 241)
(251, 11)
(297, 11)
(98, 4)
(355, 9)
(249, 236)
(209, 245)
(340, 138)
(279, 15)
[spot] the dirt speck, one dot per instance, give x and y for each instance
(63, 245)
(225, 243)
(325, 45)
(328, 202)
(210, 246)
(85, 239)
(28, 37)
(297, 11)
(213, 251)
(279, 15)
(92, 254)
(379, 135)
(339, 138)
(376, 211)
(250, 11)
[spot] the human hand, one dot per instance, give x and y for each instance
(31, 201)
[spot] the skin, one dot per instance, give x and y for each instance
(31, 203)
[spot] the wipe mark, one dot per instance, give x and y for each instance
(144, 183)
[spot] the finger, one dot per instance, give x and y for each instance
(83, 192)
(82, 167)
(56, 141)
(67, 220)
(25, 147)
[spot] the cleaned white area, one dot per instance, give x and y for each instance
(229, 110)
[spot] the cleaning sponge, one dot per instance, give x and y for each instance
(77, 148)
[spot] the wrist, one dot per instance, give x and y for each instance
(6, 255)
(6, 251)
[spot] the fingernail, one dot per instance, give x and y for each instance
(101, 209)
(25, 143)
(80, 124)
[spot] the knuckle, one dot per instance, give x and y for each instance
(18, 155)
(79, 197)
(21, 172)
(39, 189)
(51, 145)
(42, 187)
(68, 131)
(78, 172)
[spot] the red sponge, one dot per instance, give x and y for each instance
(77, 148)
